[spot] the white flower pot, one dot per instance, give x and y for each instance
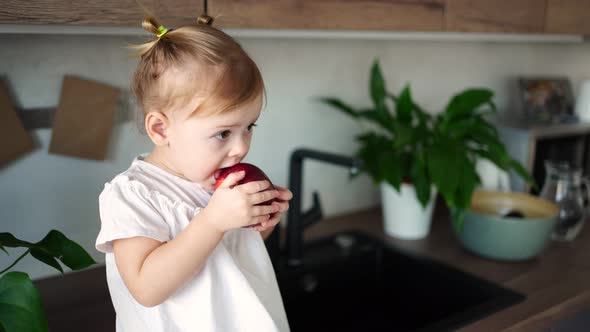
(403, 215)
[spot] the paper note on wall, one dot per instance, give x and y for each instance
(84, 119)
(15, 141)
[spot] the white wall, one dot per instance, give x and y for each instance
(40, 191)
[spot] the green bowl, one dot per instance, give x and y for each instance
(488, 232)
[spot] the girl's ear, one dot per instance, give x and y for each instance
(156, 126)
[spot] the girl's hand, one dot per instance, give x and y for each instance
(282, 203)
(234, 206)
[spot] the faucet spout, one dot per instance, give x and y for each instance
(296, 220)
(314, 214)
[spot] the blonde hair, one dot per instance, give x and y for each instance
(194, 60)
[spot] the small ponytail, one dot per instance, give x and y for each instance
(205, 19)
(150, 24)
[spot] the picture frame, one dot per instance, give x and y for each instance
(547, 99)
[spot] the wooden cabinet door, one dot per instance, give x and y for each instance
(98, 12)
(513, 16)
(568, 16)
(408, 15)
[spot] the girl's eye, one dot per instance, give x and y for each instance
(223, 135)
(250, 127)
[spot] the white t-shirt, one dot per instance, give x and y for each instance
(235, 291)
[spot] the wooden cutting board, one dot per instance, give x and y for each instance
(15, 141)
(84, 119)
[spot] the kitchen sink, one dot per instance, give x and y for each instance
(354, 282)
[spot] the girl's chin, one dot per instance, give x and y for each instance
(207, 185)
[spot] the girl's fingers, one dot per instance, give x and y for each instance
(263, 196)
(276, 218)
(283, 205)
(232, 179)
(261, 210)
(254, 186)
(284, 194)
(259, 220)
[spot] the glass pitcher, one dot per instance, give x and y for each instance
(564, 186)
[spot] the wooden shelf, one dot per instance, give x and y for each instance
(483, 16)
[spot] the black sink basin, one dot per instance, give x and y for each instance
(354, 282)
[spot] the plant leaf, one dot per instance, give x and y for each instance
(67, 251)
(340, 105)
(377, 85)
(54, 246)
(421, 181)
(390, 168)
(523, 173)
(376, 117)
(452, 172)
(443, 172)
(404, 106)
(469, 180)
(378, 95)
(491, 156)
(8, 240)
(458, 219)
(20, 304)
(372, 146)
(46, 258)
(405, 135)
(468, 101)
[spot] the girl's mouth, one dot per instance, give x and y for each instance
(217, 173)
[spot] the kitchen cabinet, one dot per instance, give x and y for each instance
(498, 16)
(568, 16)
(400, 15)
(509, 16)
(415, 15)
(98, 12)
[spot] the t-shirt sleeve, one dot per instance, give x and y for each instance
(127, 210)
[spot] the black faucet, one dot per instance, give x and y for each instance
(297, 220)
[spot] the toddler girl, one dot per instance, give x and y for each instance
(178, 257)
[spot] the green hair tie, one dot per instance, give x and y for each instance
(162, 30)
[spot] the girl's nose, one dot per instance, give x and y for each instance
(240, 148)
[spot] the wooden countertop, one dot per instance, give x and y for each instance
(556, 283)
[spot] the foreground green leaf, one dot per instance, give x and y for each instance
(8, 240)
(67, 251)
(20, 304)
(54, 246)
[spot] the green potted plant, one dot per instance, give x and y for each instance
(21, 309)
(409, 151)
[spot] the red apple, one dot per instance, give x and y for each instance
(253, 173)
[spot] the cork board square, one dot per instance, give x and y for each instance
(15, 141)
(84, 119)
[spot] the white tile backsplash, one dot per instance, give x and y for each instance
(41, 191)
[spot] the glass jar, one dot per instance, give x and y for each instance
(564, 185)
